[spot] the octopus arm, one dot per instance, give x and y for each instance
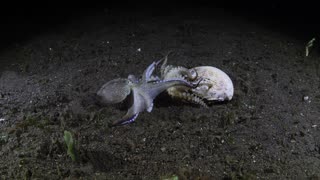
(139, 105)
(147, 74)
(181, 72)
(126, 120)
(153, 90)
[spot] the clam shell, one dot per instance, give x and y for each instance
(216, 84)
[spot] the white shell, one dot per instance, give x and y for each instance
(215, 86)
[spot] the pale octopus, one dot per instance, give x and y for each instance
(195, 85)
(143, 91)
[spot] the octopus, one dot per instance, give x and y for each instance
(216, 85)
(142, 91)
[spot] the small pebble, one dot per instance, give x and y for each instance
(163, 149)
(2, 119)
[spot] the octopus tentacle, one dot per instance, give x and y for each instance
(181, 92)
(188, 97)
(164, 67)
(180, 71)
(126, 120)
(140, 103)
(172, 71)
(159, 86)
(147, 73)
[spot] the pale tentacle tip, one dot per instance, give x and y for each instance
(125, 121)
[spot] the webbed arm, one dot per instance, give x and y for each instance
(139, 105)
(154, 89)
(146, 76)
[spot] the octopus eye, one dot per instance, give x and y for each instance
(132, 78)
(193, 74)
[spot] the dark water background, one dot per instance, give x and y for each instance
(52, 60)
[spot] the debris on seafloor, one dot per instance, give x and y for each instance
(309, 45)
(70, 145)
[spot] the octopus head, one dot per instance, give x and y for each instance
(114, 91)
